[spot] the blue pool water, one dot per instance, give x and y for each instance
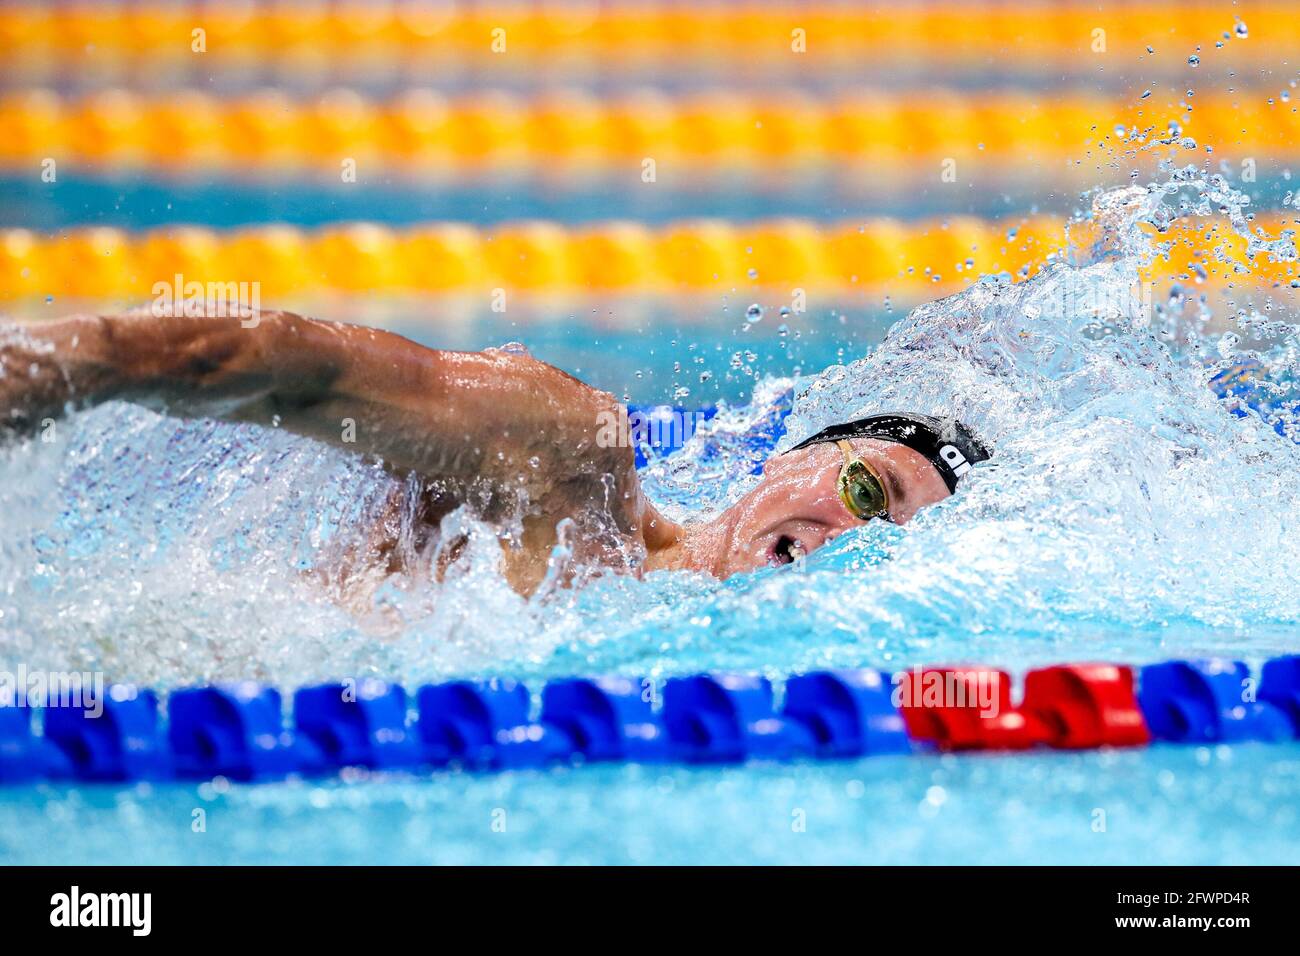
(1131, 513)
(1174, 805)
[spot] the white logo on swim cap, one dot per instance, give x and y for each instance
(955, 459)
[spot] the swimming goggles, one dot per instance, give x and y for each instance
(860, 486)
(944, 442)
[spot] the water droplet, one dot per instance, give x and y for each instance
(1146, 94)
(1193, 60)
(754, 313)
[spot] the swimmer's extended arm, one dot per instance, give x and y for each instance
(448, 414)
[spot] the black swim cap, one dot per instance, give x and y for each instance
(945, 442)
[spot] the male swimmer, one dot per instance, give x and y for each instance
(502, 432)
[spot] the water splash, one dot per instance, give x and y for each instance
(1124, 491)
(1131, 510)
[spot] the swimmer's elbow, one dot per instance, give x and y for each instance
(549, 412)
(606, 435)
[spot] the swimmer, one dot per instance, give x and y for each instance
(497, 430)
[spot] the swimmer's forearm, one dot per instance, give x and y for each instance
(45, 369)
(156, 361)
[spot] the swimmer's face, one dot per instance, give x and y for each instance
(797, 508)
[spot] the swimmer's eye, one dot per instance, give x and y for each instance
(788, 550)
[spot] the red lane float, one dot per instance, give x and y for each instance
(1069, 706)
(1080, 706)
(964, 708)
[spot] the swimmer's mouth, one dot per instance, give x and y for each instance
(786, 550)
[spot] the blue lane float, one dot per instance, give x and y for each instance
(241, 731)
(850, 713)
(235, 731)
(486, 726)
(663, 429)
(607, 718)
(362, 725)
(117, 738)
(658, 430)
(1207, 701)
(1243, 389)
(729, 718)
(25, 757)
(1279, 686)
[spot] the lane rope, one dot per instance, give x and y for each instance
(241, 731)
(423, 131)
(153, 37)
(921, 259)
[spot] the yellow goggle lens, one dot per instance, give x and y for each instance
(861, 491)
